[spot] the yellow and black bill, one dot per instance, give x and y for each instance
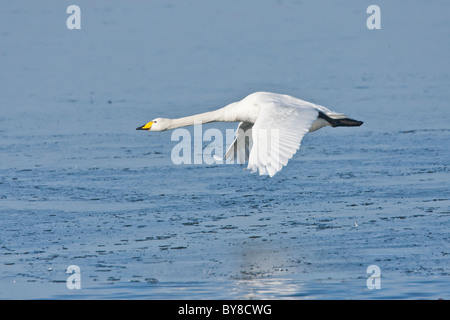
(146, 126)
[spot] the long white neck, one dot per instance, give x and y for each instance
(222, 115)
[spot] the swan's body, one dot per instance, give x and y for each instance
(274, 125)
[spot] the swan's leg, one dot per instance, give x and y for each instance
(345, 122)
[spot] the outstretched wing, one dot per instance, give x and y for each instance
(277, 134)
(239, 150)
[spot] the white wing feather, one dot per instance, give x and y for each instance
(239, 150)
(277, 134)
(280, 124)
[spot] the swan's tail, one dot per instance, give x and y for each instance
(340, 121)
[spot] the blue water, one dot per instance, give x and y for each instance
(80, 186)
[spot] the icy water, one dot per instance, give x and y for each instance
(80, 186)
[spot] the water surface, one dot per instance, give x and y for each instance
(79, 186)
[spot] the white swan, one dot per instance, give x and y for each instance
(274, 124)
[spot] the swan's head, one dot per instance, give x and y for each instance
(158, 124)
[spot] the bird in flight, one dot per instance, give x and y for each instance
(271, 128)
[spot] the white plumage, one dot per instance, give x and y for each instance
(270, 131)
